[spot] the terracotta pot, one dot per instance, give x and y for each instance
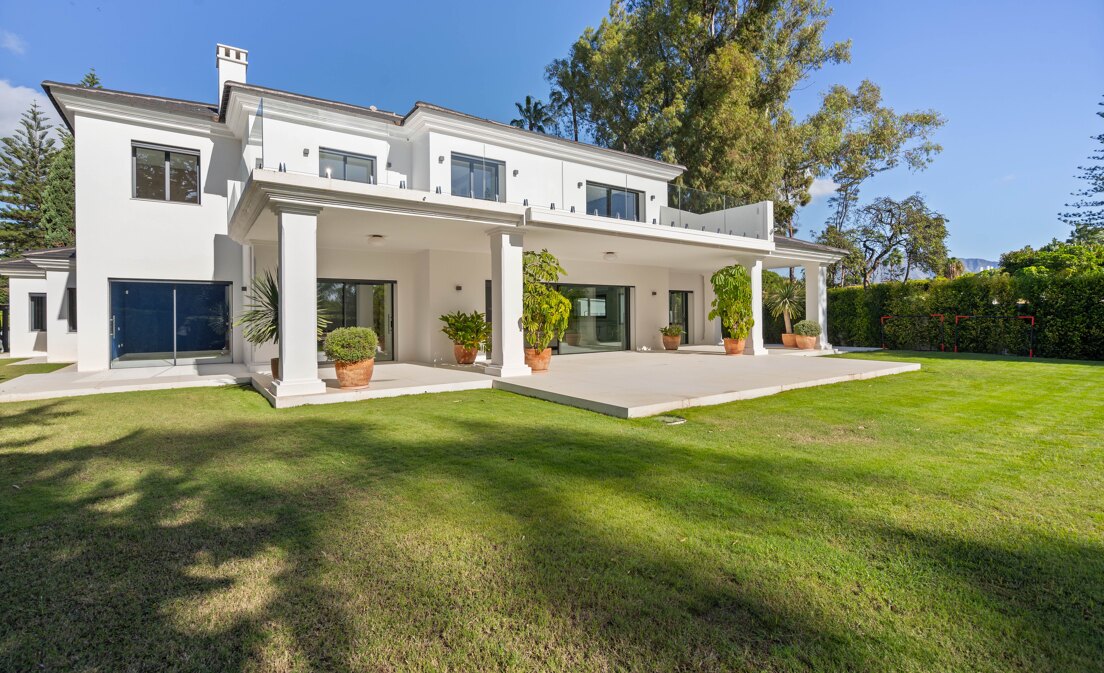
(354, 374)
(734, 346)
(788, 340)
(538, 361)
(464, 355)
(275, 368)
(671, 343)
(572, 338)
(806, 343)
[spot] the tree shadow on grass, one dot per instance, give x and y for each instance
(310, 542)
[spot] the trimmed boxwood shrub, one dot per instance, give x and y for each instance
(1068, 311)
(806, 328)
(351, 344)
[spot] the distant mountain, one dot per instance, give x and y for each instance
(975, 264)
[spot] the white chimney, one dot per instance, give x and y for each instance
(231, 63)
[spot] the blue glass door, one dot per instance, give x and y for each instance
(158, 324)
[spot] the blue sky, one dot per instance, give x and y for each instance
(1018, 82)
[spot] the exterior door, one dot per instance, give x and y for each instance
(359, 303)
(679, 312)
(165, 323)
(599, 319)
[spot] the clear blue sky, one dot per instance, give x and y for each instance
(1018, 82)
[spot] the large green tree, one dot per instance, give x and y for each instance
(1087, 214)
(25, 159)
(59, 197)
(890, 234)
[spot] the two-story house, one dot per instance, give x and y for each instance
(375, 218)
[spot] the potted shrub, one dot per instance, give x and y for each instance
(261, 318)
(544, 311)
(672, 336)
(786, 299)
(468, 331)
(806, 333)
(732, 304)
(353, 351)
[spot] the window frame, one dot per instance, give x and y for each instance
(609, 201)
(471, 160)
(32, 298)
(135, 145)
(345, 156)
(71, 308)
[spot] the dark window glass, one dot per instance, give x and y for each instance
(477, 178)
(168, 323)
(166, 175)
(341, 166)
(616, 202)
(38, 312)
(359, 304)
(71, 307)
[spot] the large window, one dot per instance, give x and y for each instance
(165, 173)
(478, 178)
(165, 323)
(346, 166)
(607, 201)
(599, 319)
(358, 303)
(38, 312)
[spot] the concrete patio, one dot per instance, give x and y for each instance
(68, 382)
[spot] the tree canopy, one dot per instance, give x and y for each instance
(1087, 210)
(25, 159)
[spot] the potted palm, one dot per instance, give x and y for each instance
(787, 299)
(806, 333)
(261, 318)
(672, 337)
(732, 304)
(544, 311)
(353, 351)
(468, 331)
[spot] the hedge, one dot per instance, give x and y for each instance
(1068, 311)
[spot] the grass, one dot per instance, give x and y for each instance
(945, 520)
(8, 372)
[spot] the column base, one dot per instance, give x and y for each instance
(507, 370)
(750, 349)
(302, 387)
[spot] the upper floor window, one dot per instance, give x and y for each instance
(165, 173)
(478, 178)
(38, 312)
(346, 166)
(608, 201)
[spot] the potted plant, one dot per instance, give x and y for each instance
(786, 299)
(806, 333)
(672, 336)
(544, 311)
(353, 351)
(468, 331)
(732, 304)
(261, 318)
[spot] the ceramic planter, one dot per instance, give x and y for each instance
(275, 368)
(788, 340)
(465, 355)
(671, 343)
(734, 346)
(807, 343)
(538, 361)
(354, 374)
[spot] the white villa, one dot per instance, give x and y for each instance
(384, 220)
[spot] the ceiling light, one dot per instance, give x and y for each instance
(609, 256)
(375, 240)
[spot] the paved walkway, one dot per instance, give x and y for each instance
(68, 382)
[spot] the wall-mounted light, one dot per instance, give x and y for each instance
(389, 164)
(441, 159)
(459, 288)
(609, 256)
(654, 293)
(652, 197)
(306, 151)
(515, 172)
(375, 240)
(580, 185)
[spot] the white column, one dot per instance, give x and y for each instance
(507, 339)
(816, 300)
(755, 344)
(298, 277)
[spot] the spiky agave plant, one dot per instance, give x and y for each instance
(261, 318)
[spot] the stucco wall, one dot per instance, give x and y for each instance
(24, 342)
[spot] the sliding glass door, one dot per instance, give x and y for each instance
(599, 319)
(360, 303)
(679, 312)
(166, 323)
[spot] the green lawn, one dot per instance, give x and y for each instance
(950, 519)
(8, 372)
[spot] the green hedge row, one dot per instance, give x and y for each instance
(1068, 311)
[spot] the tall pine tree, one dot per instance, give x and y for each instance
(25, 160)
(1087, 216)
(59, 198)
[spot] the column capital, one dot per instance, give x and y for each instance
(509, 231)
(294, 208)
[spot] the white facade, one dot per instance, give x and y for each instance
(402, 234)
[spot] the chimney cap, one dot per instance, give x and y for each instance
(225, 51)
